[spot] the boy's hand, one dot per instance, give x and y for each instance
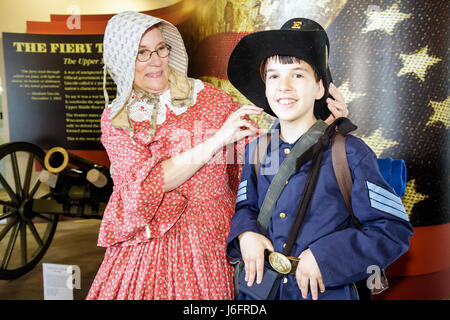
(308, 272)
(252, 249)
(337, 106)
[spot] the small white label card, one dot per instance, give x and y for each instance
(59, 281)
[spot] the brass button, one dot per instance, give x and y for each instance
(285, 280)
(287, 151)
(287, 181)
(282, 215)
(284, 245)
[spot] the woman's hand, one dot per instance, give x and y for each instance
(252, 246)
(337, 105)
(237, 127)
(180, 168)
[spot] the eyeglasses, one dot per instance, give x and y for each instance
(162, 52)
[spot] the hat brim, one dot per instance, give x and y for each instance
(245, 61)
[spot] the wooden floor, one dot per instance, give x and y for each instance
(74, 243)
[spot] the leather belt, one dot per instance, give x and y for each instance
(281, 263)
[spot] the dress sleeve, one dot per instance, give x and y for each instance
(223, 106)
(234, 152)
(144, 185)
(138, 180)
(344, 256)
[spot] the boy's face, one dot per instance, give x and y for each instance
(291, 89)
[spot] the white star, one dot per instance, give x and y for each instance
(384, 20)
(349, 96)
(378, 143)
(412, 196)
(441, 112)
(417, 63)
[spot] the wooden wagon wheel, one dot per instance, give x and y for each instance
(20, 165)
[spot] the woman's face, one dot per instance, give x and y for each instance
(152, 75)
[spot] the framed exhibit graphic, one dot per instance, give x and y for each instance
(55, 89)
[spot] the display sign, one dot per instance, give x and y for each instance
(54, 86)
(60, 280)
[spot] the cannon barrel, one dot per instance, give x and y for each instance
(80, 187)
(59, 159)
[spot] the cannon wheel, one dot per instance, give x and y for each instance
(20, 165)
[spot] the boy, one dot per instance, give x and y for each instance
(286, 72)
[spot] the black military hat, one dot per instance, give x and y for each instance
(302, 38)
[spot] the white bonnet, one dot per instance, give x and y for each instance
(120, 46)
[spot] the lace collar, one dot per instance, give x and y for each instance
(142, 108)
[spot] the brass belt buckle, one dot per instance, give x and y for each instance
(280, 262)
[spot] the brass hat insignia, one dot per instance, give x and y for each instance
(297, 24)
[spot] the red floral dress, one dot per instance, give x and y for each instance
(168, 245)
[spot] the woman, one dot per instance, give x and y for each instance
(167, 220)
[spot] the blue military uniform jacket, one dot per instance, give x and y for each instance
(343, 253)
